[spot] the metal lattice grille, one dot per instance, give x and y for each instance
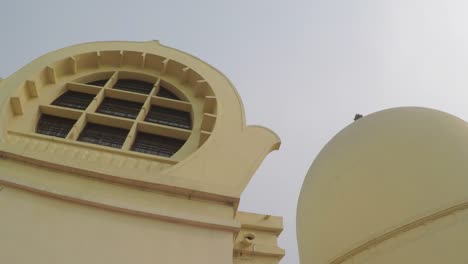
(156, 145)
(54, 126)
(169, 117)
(134, 86)
(74, 100)
(163, 92)
(98, 83)
(120, 108)
(103, 135)
(110, 115)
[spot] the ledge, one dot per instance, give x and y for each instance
(260, 222)
(117, 198)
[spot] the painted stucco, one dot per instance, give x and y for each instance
(389, 188)
(65, 201)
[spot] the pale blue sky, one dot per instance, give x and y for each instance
(303, 68)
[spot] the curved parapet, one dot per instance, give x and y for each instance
(389, 188)
(214, 153)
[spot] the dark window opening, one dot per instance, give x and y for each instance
(98, 82)
(103, 135)
(163, 92)
(54, 126)
(156, 145)
(74, 100)
(134, 86)
(169, 117)
(119, 108)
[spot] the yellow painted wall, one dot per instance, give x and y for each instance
(54, 216)
(37, 229)
(65, 201)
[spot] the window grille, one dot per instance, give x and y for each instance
(102, 131)
(54, 125)
(74, 100)
(134, 86)
(163, 92)
(156, 145)
(120, 108)
(169, 117)
(98, 83)
(103, 135)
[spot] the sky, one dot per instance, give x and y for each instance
(302, 68)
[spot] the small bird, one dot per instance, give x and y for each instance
(357, 116)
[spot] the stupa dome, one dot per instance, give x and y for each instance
(391, 187)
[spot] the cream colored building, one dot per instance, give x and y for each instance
(390, 188)
(128, 152)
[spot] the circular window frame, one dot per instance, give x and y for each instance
(60, 76)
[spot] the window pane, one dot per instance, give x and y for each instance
(163, 92)
(54, 126)
(134, 86)
(121, 108)
(169, 117)
(74, 100)
(156, 145)
(98, 82)
(103, 135)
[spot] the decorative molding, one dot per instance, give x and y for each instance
(110, 202)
